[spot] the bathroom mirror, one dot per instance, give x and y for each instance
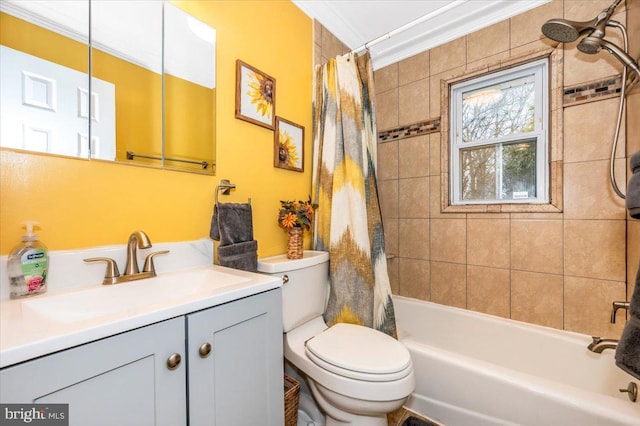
(46, 105)
(189, 92)
(126, 58)
(44, 65)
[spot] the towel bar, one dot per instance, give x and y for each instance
(225, 186)
(131, 156)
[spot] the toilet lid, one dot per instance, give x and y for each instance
(359, 352)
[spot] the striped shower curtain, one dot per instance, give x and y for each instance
(348, 223)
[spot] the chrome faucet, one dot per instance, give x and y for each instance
(137, 240)
(598, 345)
(614, 308)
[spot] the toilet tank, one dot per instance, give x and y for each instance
(305, 285)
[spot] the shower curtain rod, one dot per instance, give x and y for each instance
(407, 26)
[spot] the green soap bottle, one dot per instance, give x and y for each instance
(27, 265)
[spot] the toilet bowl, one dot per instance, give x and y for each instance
(356, 374)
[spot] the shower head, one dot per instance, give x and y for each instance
(590, 45)
(566, 31)
(595, 42)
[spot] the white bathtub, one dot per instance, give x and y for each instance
(474, 369)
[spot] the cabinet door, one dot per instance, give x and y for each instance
(120, 380)
(240, 382)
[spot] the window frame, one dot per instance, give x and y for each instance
(541, 72)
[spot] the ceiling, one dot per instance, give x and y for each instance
(397, 29)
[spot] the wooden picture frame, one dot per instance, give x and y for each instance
(255, 95)
(288, 145)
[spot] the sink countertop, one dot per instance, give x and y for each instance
(63, 318)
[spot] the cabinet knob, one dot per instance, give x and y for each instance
(205, 350)
(285, 279)
(173, 361)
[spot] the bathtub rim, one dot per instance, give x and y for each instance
(564, 334)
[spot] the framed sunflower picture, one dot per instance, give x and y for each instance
(255, 95)
(288, 145)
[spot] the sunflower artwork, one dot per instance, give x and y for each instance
(255, 95)
(288, 145)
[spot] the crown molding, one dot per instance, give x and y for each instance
(464, 18)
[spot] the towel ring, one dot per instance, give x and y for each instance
(225, 186)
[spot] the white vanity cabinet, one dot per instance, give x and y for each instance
(120, 380)
(230, 371)
(235, 363)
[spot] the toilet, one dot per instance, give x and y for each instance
(356, 374)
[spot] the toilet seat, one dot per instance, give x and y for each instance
(360, 353)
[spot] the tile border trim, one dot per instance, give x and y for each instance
(595, 90)
(417, 129)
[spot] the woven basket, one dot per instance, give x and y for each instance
(291, 391)
(294, 243)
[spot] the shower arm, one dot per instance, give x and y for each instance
(604, 17)
(594, 41)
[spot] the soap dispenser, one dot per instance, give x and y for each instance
(27, 265)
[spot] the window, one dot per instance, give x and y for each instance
(499, 137)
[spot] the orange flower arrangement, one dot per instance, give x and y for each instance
(294, 214)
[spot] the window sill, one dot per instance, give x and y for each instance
(502, 208)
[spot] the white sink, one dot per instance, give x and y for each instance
(131, 297)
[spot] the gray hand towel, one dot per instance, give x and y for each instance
(242, 256)
(214, 232)
(231, 223)
(628, 350)
(633, 187)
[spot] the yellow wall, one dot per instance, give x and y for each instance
(138, 105)
(82, 203)
(189, 111)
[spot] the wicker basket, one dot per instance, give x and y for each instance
(291, 391)
(295, 243)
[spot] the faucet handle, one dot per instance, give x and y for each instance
(112, 272)
(148, 262)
